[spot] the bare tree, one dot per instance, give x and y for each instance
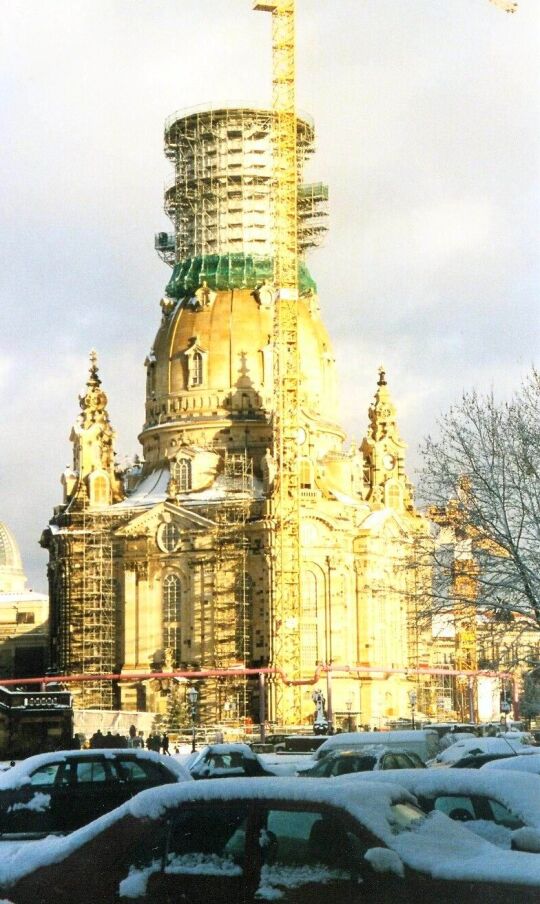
(481, 477)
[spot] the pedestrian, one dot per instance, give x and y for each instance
(165, 744)
(97, 740)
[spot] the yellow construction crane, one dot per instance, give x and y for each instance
(286, 583)
(285, 629)
(508, 7)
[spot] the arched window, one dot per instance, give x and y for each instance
(197, 370)
(172, 600)
(181, 471)
(100, 491)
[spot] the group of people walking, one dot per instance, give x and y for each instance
(157, 742)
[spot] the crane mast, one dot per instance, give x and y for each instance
(286, 576)
(509, 6)
(286, 596)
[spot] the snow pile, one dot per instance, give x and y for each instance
(385, 861)
(437, 846)
(499, 835)
(135, 883)
(205, 864)
(39, 803)
(277, 877)
(527, 763)
(527, 840)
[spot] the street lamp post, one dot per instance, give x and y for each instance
(348, 704)
(193, 696)
(412, 701)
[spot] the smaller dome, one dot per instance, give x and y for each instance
(12, 577)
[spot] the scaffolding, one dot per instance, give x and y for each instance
(233, 591)
(83, 618)
(93, 607)
(222, 197)
(222, 616)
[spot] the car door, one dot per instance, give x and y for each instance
(134, 774)
(205, 857)
(309, 856)
(34, 807)
(93, 790)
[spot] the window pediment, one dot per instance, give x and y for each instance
(197, 364)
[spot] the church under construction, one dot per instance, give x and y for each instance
(178, 562)
(171, 563)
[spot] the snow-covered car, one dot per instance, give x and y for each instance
(59, 792)
(226, 761)
(469, 747)
(368, 759)
(517, 763)
(425, 743)
(499, 811)
(255, 841)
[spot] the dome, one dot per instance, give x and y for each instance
(12, 577)
(211, 368)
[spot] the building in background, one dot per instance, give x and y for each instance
(23, 616)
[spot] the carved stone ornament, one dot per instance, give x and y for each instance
(139, 567)
(167, 305)
(265, 295)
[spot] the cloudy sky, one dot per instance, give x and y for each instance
(428, 125)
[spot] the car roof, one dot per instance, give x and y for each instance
(528, 762)
(521, 793)
(372, 750)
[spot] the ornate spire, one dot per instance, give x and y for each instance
(94, 402)
(384, 451)
(382, 413)
(93, 446)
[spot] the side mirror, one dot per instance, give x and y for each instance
(527, 840)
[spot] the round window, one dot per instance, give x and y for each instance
(168, 536)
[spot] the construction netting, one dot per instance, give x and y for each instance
(228, 271)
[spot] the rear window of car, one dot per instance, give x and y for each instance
(132, 770)
(504, 817)
(454, 804)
